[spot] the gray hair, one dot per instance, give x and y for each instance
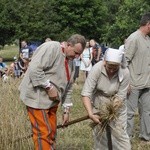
(77, 38)
(145, 19)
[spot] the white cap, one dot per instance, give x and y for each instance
(113, 55)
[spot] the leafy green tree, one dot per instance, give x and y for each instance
(78, 16)
(36, 19)
(126, 20)
(106, 21)
(7, 30)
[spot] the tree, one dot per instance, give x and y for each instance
(105, 21)
(126, 20)
(7, 29)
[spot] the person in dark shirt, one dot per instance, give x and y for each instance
(97, 51)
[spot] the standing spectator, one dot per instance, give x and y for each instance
(46, 83)
(108, 79)
(77, 68)
(137, 52)
(86, 59)
(97, 51)
(26, 53)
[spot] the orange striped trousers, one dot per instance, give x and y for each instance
(43, 122)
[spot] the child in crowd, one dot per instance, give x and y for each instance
(17, 68)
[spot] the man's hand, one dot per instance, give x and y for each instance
(52, 93)
(65, 118)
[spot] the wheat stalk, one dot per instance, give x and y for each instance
(109, 111)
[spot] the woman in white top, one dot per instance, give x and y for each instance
(86, 58)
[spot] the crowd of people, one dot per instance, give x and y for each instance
(122, 74)
(91, 55)
(20, 64)
(17, 68)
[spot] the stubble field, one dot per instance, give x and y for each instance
(15, 128)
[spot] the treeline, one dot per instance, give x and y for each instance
(108, 21)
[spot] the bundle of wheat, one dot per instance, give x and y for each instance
(109, 111)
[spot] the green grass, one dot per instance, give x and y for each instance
(8, 52)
